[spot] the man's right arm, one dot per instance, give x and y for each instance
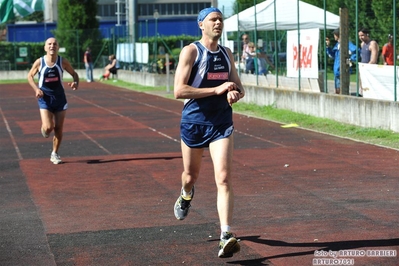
(31, 78)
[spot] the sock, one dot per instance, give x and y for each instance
(53, 153)
(224, 228)
(186, 195)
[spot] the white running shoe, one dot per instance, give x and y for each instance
(228, 245)
(55, 158)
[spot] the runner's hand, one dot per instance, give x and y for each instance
(233, 97)
(39, 93)
(227, 86)
(73, 85)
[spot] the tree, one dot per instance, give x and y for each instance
(364, 16)
(78, 28)
(240, 5)
(35, 16)
(384, 11)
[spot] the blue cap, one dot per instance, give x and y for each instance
(205, 12)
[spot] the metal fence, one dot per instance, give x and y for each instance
(266, 25)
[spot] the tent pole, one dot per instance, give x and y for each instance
(325, 48)
(239, 47)
(357, 45)
(299, 48)
(276, 63)
(256, 47)
(394, 45)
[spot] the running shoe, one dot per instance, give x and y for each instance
(55, 158)
(182, 206)
(228, 245)
(44, 134)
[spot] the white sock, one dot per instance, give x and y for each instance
(224, 228)
(53, 153)
(186, 194)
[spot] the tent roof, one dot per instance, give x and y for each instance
(286, 17)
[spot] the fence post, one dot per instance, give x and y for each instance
(344, 51)
(167, 72)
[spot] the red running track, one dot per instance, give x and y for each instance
(301, 198)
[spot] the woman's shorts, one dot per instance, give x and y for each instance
(200, 136)
(53, 103)
(113, 70)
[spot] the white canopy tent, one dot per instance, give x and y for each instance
(282, 16)
(310, 17)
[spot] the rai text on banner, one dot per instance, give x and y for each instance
(378, 81)
(303, 57)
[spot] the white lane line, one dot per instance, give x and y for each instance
(118, 114)
(11, 136)
(163, 134)
(261, 139)
(95, 142)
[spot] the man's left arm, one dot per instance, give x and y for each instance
(374, 52)
(234, 75)
(68, 67)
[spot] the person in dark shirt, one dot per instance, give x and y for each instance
(369, 48)
(88, 60)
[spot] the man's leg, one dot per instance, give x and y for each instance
(222, 155)
(337, 82)
(91, 72)
(59, 118)
(47, 122)
(88, 73)
(191, 167)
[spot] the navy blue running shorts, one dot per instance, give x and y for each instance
(200, 136)
(53, 103)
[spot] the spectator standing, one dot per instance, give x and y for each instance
(387, 52)
(369, 48)
(335, 54)
(88, 60)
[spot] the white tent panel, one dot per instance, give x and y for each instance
(286, 17)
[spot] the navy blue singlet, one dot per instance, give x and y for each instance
(50, 77)
(210, 69)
